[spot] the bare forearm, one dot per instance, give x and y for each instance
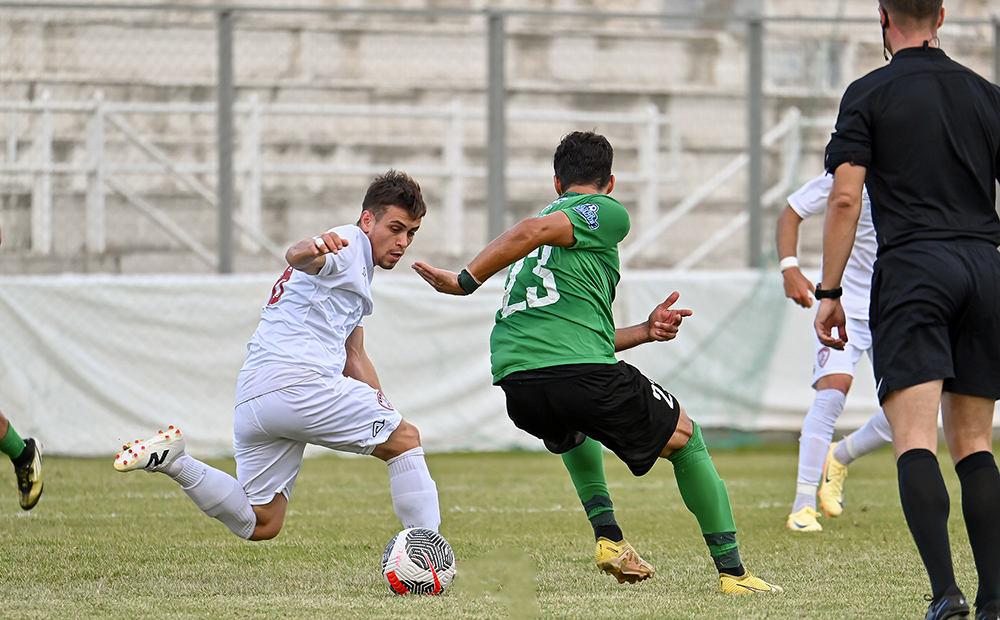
(628, 337)
(841, 225)
(787, 233)
(361, 368)
(838, 239)
(305, 256)
(554, 229)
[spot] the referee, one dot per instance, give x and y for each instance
(923, 133)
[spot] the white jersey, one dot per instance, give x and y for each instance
(305, 324)
(811, 199)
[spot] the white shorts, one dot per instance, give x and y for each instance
(270, 432)
(836, 362)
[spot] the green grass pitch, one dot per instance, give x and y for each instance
(102, 544)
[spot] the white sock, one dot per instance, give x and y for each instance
(842, 452)
(216, 493)
(414, 494)
(817, 432)
(805, 495)
(875, 434)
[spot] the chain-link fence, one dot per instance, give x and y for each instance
(121, 152)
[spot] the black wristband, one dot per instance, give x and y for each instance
(828, 293)
(466, 282)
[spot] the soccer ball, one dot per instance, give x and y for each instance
(420, 561)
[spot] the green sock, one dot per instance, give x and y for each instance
(12, 445)
(586, 467)
(704, 494)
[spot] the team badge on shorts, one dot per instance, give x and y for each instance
(823, 356)
(382, 400)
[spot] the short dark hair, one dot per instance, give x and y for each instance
(394, 189)
(909, 13)
(583, 158)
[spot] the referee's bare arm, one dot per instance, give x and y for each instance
(843, 209)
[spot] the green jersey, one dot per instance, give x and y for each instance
(557, 301)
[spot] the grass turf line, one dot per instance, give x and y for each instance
(100, 543)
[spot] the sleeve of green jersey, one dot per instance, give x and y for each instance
(598, 224)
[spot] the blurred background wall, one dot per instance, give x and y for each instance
(194, 138)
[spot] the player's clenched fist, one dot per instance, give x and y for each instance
(329, 242)
(798, 287)
(309, 254)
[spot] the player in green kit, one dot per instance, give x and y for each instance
(553, 353)
(26, 455)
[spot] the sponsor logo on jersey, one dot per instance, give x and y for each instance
(382, 400)
(823, 356)
(589, 213)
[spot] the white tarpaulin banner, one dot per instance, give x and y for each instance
(89, 362)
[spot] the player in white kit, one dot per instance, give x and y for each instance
(307, 380)
(823, 466)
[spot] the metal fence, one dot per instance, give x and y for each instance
(103, 172)
(210, 136)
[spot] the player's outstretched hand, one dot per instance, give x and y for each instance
(798, 287)
(664, 321)
(442, 280)
(829, 315)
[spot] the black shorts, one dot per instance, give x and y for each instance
(935, 314)
(615, 404)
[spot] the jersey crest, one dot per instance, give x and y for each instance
(382, 400)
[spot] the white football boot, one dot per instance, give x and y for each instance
(154, 454)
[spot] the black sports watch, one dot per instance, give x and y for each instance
(828, 293)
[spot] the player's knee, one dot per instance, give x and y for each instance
(268, 527)
(270, 518)
(682, 434)
(405, 437)
(839, 382)
(265, 532)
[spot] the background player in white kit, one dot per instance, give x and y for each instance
(822, 465)
(307, 379)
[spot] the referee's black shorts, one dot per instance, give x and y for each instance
(615, 404)
(935, 314)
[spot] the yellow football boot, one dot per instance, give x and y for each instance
(620, 560)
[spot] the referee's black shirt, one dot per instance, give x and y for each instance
(927, 130)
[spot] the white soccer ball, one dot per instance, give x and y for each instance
(419, 561)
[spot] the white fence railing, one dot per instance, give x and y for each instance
(103, 173)
(788, 129)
